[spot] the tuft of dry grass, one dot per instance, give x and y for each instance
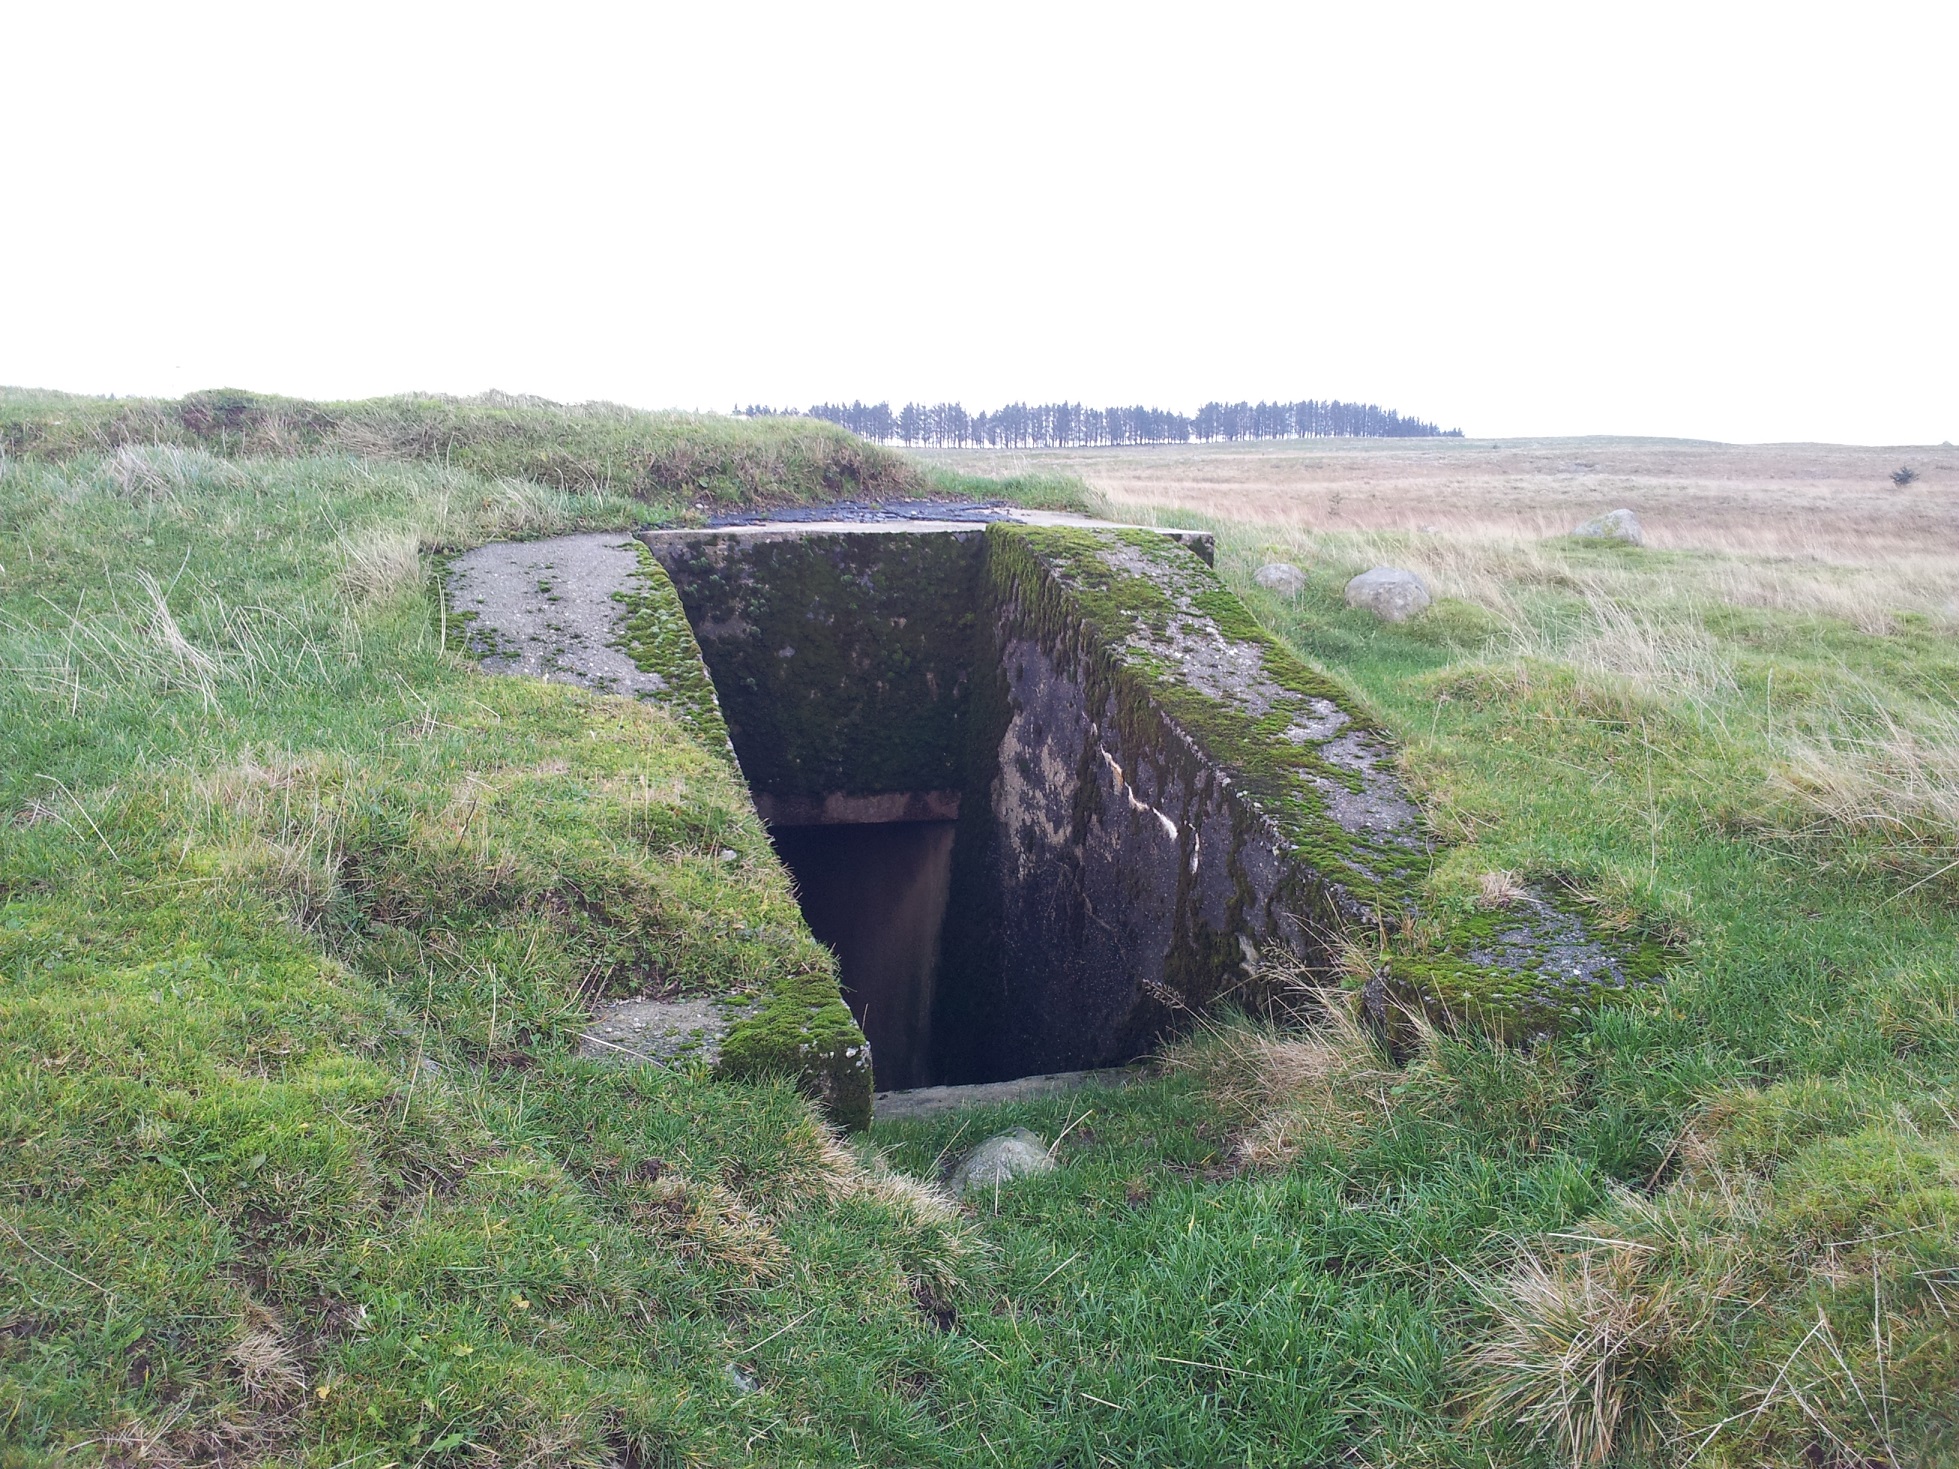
(1660, 656)
(1499, 889)
(1287, 1087)
(264, 1360)
(1879, 772)
(708, 1221)
(1582, 1345)
(379, 565)
(159, 472)
(936, 1248)
(191, 665)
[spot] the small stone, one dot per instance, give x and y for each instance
(1281, 577)
(1618, 525)
(1391, 594)
(1001, 1159)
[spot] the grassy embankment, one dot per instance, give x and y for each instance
(675, 465)
(271, 851)
(1716, 1224)
(298, 915)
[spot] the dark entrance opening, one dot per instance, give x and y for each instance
(994, 867)
(876, 893)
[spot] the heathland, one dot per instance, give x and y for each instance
(299, 912)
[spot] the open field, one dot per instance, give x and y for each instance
(298, 1163)
(1793, 499)
(1815, 527)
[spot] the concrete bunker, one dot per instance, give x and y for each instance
(1047, 790)
(1010, 866)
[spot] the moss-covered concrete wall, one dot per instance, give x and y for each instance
(787, 1016)
(1154, 797)
(842, 659)
(1161, 801)
(1164, 797)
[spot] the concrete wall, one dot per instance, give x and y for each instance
(1158, 805)
(1106, 880)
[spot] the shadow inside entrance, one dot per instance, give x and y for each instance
(875, 893)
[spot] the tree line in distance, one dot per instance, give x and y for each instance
(1069, 425)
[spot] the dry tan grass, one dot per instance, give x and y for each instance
(157, 472)
(1803, 527)
(1580, 1344)
(1286, 1087)
(937, 1248)
(1876, 770)
(1795, 499)
(706, 1220)
(264, 1359)
(1664, 656)
(380, 565)
(1499, 889)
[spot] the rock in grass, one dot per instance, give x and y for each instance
(1281, 577)
(1391, 594)
(1618, 525)
(1000, 1159)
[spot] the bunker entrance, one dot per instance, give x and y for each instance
(917, 768)
(876, 894)
(844, 667)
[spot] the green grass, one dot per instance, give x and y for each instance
(296, 1162)
(679, 465)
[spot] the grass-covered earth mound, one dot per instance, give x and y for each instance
(298, 1163)
(678, 465)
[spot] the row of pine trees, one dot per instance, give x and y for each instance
(1049, 425)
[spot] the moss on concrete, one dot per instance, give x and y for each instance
(841, 660)
(1137, 607)
(794, 1020)
(655, 635)
(1167, 647)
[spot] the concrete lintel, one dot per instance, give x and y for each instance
(839, 809)
(1201, 542)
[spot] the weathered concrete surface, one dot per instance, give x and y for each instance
(841, 655)
(548, 609)
(935, 1101)
(565, 610)
(1176, 807)
(661, 1031)
(1158, 806)
(1127, 875)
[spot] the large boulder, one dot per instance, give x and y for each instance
(1617, 525)
(1391, 594)
(1000, 1159)
(1281, 577)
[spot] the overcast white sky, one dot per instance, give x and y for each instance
(1723, 221)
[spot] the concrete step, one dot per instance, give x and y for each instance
(930, 1101)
